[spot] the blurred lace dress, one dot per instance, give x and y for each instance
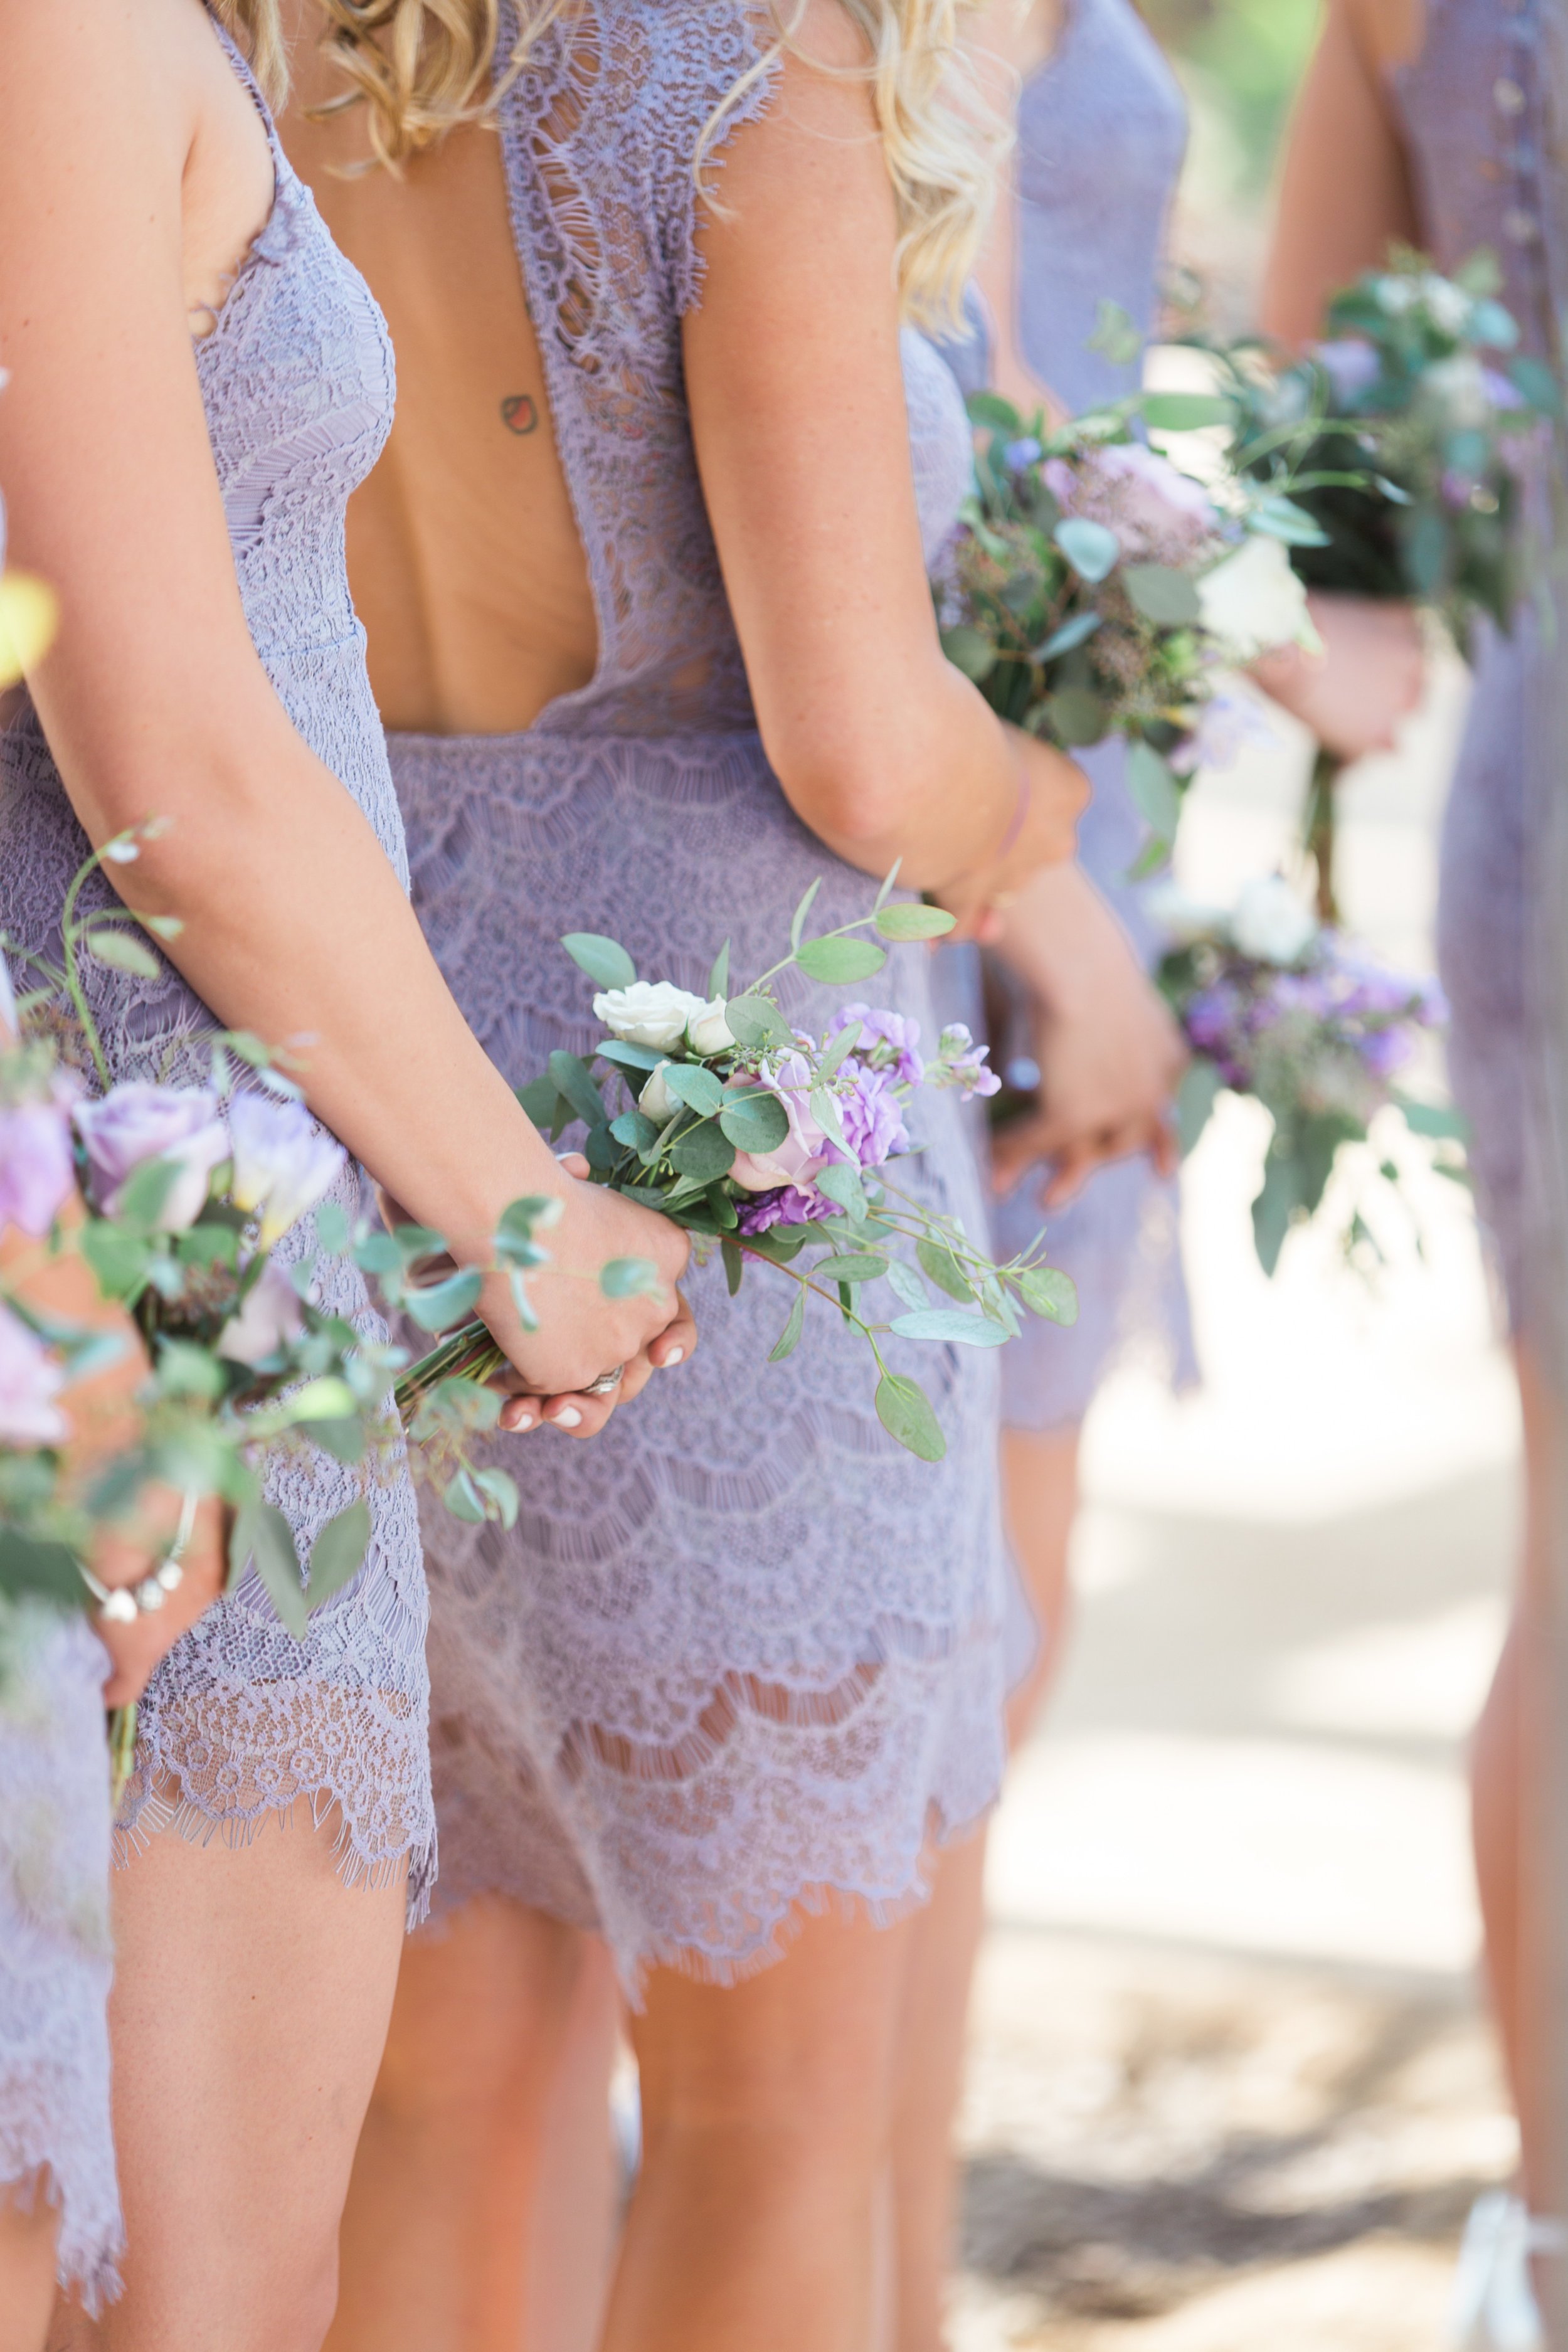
(1102, 132)
(741, 1653)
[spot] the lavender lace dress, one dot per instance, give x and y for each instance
(1102, 132)
(241, 1720)
(1483, 110)
(740, 1653)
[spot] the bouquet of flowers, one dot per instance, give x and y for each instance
(1401, 439)
(769, 1140)
(1275, 1005)
(1094, 588)
(177, 1198)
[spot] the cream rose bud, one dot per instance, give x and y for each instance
(1254, 601)
(708, 1032)
(1270, 921)
(649, 1013)
(656, 1101)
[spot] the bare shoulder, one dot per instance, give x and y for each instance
(1387, 33)
(824, 85)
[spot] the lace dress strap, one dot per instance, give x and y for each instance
(601, 130)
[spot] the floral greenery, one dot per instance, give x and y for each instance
(1094, 588)
(1276, 1007)
(1403, 432)
(765, 1140)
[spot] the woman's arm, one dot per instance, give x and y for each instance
(1344, 198)
(155, 703)
(797, 408)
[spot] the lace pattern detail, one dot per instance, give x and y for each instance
(240, 1720)
(55, 1963)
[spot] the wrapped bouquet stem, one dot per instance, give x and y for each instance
(774, 1144)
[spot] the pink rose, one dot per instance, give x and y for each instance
(800, 1158)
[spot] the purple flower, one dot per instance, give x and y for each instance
(133, 1124)
(872, 1115)
(284, 1162)
(785, 1206)
(1350, 363)
(894, 1030)
(35, 1171)
(30, 1381)
(1027, 452)
(965, 1063)
(270, 1317)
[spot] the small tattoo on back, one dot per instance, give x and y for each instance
(518, 413)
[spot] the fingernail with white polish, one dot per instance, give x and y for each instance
(674, 1357)
(568, 1417)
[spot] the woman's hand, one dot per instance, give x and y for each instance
(1369, 677)
(582, 1333)
(125, 1557)
(1109, 1050)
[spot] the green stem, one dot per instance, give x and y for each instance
(122, 1752)
(71, 936)
(1318, 829)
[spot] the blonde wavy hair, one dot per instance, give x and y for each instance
(421, 67)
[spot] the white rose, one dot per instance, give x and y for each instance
(1254, 601)
(1457, 388)
(651, 1013)
(1269, 922)
(1449, 305)
(708, 1032)
(656, 1101)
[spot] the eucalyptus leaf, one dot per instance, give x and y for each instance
(606, 961)
(574, 1080)
(1077, 716)
(635, 1130)
(338, 1552)
(277, 1563)
(1184, 412)
(437, 1306)
(734, 1266)
(343, 1439)
(989, 409)
(1162, 595)
(843, 1184)
(825, 1111)
(889, 881)
(797, 920)
(1439, 1120)
(1073, 632)
(331, 1228)
(909, 921)
(1155, 790)
(839, 1051)
(500, 1488)
(119, 1260)
(755, 1022)
(907, 1283)
(599, 1150)
(836, 961)
(1092, 548)
(852, 1266)
(376, 1253)
(719, 977)
(969, 650)
(630, 1277)
(754, 1119)
(464, 1500)
(123, 951)
(639, 1059)
(789, 1337)
(696, 1087)
(944, 1270)
(1195, 1097)
(702, 1153)
(904, 1410)
(722, 1209)
(1050, 1294)
(145, 1192)
(543, 1103)
(32, 1565)
(952, 1323)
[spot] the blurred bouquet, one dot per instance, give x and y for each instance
(768, 1139)
(1402, 437)
(1094, 588)
(1276, 1007)
(177, 1198)
(1401, 441)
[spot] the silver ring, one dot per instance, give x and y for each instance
(606, 1383)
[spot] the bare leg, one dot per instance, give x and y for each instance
(251, 1994)
(767, 2114)
(1040, 1494)
(437, 2233)
(1502, 1781)
(576, 2211)
(26, 2272)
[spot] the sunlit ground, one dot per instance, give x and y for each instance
(1229, 2085)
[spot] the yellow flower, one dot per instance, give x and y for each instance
(30, 611)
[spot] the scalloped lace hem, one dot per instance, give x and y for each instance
(87, 2261)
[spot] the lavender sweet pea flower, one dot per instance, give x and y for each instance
(1027, 452)
(135, 1123)
(894, 1030)
(803, 1153)
(1350, 363)
(269, 1318)
(786, 1206)
(30, 1380)
(35, 1171)
(284, 1162)
(966, 1062)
